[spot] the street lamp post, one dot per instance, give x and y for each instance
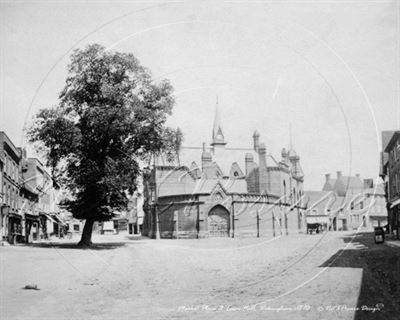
(155, 200)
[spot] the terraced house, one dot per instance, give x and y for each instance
(392, 171)
(28, 198)
(11, 218)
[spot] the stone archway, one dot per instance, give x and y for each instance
(218, 222)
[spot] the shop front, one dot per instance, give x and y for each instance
(3, 222)
(32, 227)
(14, 228)
(395, 218)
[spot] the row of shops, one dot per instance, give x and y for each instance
(19, 228)
(28, 197)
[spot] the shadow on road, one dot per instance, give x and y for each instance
(135, 238)
(380, 286)
(70, 245)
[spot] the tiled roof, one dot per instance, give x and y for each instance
(319, 202)
(329, 185)
(377, 190)
(179, 180)
(224, 158)
(386, 136)
(345, 184)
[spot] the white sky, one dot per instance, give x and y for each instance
(331, 69)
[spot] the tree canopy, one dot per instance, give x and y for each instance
(110, 116)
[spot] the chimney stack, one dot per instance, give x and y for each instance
(368, 183)
(249, 162)
(284, 155)
(339, 174)
(256, 140)
(206, 159)
(262, 168)
(327, 177)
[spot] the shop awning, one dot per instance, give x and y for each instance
(31, 217)
(53, 217)
(395, 203)
(50, 218)
(317, 219)
(15, 216)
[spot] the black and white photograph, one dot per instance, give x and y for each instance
(192, 159)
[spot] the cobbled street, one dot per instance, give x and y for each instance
(326, 276)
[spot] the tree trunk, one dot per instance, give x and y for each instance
(86, 239)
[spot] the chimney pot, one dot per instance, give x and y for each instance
(256, 140)
(249, 157)
(262, 149)
(339, 174)
(327, 176)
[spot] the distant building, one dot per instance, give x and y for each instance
(375, 204)
(135, 213)
(347, 203)
(231, 192)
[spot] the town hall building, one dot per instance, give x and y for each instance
(218, 191)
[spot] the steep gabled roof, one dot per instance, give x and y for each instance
(195, 170)
(235, 170)
(318, 201)
(344, 185)
(224, 160)
(386, 136)
(329, 185)
(323, 202)
(393, 139)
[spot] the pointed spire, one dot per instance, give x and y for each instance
(217, 134)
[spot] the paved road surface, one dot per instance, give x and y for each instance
(299, 276)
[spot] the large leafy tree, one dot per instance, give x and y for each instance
(110, 117)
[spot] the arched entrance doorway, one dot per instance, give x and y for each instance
(218, 222)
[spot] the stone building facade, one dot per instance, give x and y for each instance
(41, 217)
(11, 217)
(224, 192)
(392, 172)
(28, 196)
